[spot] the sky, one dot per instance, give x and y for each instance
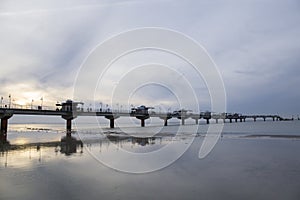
(254, 44)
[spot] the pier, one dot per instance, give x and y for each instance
(70, 110)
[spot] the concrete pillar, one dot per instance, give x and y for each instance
(4, 123)
(224, 120)
(273, 118)
(244, 119)
(112, 123)
(69, 127)
(142, 122)
(69, 119)
(207, 121)
(217, 120)
(165, 122)
(264, 119)
(182, 121)
(241, 120)
(254, 119)
(197, 121)
(111, 119)
(3, 137)
(236, 120)
(230, 120)
(3, 131)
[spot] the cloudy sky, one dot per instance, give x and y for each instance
(255, 45)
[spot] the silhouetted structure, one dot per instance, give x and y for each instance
(69, 110)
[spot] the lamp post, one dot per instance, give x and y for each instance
(118, 107)
(42, 100)
(31, 103)
(9, 96)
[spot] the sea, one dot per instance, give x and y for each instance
(248, 160)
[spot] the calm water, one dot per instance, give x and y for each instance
(250, 161)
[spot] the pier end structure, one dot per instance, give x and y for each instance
(141, 113)
(70, 108)
(206, 115)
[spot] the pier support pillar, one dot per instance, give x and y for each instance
(142, 122)
(244, 119)
(143, 118)
(69, 127)
(241, 120)
(4, 125)
(230, 120)
(3, 137)
(112, 123)
(197, 121)
(207, 121)
(165, 122)
(236, 120)
(273, 118)
(165, 118)
(111, 120)
(182, 121)
(217, 121)
(254, 119)
(224, 120)
(69, 119)
(3, 133)
(264, 119)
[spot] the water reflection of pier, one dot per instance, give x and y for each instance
(142, 141)
(68, 145)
